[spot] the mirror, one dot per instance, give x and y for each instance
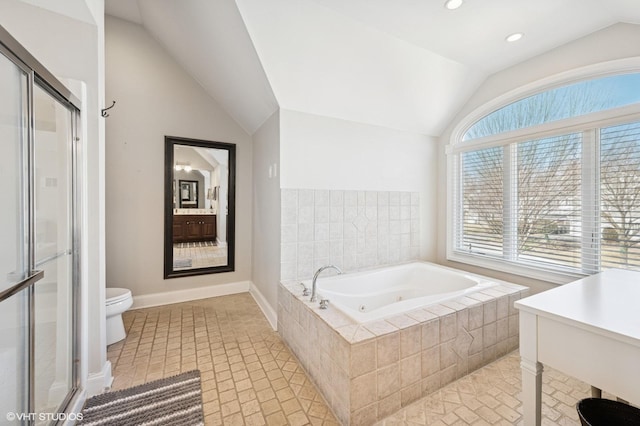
(199, 226)
(189, 194)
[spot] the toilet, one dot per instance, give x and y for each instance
(118, 301)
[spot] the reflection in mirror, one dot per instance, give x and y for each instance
(199, 207)
(189, 194)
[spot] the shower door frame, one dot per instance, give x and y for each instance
(38, 75)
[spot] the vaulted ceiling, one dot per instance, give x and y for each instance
(402, 64)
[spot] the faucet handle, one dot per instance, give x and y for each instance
(324, 303)
(305, 290)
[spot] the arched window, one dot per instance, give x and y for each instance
(550, 183)
(564, 102)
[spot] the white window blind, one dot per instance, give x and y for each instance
(558, 203)
(482, 208)
(549, 185)
(549, 208)
(620, 196)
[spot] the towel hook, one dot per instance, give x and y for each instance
(104, 112)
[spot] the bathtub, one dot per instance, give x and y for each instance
(379, 293)
(408, 326)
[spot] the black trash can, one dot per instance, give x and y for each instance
(605, 412)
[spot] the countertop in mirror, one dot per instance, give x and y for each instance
(194, 211)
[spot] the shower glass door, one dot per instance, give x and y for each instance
(53, 250)
(38, 251)
(14, 367)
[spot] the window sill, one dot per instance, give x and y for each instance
(523, 270)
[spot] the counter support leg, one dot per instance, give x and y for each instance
(531, 392)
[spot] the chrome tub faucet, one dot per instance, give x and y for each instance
(315, 278)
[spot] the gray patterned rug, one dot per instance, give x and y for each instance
(175, 401)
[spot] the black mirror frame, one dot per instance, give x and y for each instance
(170, 142)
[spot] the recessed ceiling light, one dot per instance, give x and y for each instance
(453, 4)
(514, 37)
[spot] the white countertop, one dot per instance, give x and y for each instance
(608, 302)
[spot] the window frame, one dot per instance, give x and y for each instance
(587, 125)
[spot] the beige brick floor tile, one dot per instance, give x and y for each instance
(493, 395)
(247, 395)
(249, 376)
(223, 375)
(213, 420)
(229, 341)
(225, 385)
(250, 407)
(290, 406)
(466, 414)
(277, 419)
(297, 419)
(450, 418)
(265, 394)
(285, 394)
(507, 413)
(233, 420)
(271, 406)
(255, 420)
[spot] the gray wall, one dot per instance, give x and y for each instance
(155, 97)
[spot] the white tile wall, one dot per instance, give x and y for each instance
(350, 229)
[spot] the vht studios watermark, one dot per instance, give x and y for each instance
(44, 416)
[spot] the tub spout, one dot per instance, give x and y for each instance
(315, 278)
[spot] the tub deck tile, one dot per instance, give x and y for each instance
(493, 292)
(455, 305)
(481, 297)
(468, 301)
(440, 310)
(402, 321)
(348, 331)
(421, 315)
(380, 328)
(361, 335)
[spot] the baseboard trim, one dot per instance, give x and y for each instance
(97, 383)
(186, 295)
(266, 308)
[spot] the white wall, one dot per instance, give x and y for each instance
(266, 213)
(155, 97)
(568, 61)
(327, 153)
(69, 43)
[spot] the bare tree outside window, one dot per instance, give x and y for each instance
(620, 195)
(482, 179)
(549, 205)
(523, 201)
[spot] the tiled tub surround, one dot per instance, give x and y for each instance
(368, 371)
(350, 229)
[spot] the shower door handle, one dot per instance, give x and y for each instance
(27, 282)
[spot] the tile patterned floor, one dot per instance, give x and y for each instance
(249, 377)
(490, 396)
(248, 374)
(201, 256)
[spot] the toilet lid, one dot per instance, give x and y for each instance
(115, 294)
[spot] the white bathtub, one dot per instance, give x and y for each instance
(375, 294)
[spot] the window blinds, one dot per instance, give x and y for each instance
(482, 201)
(568, 202)
(620, 196)
(548, 202)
